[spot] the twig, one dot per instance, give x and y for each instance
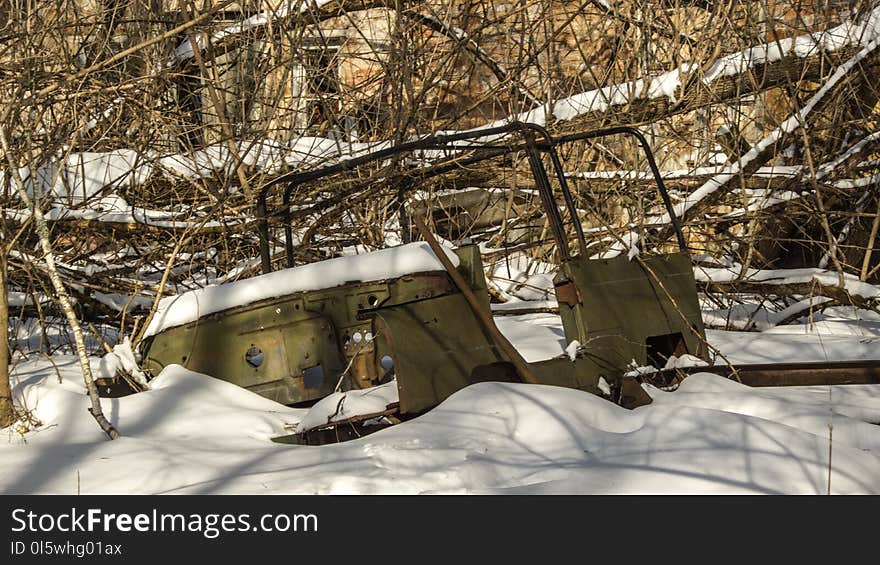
(830, 432)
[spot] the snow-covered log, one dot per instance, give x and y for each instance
(699, 84)
(761, 152)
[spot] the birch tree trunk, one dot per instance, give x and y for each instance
(7, 414)
(63, 299)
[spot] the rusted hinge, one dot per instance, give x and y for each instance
(567, 293)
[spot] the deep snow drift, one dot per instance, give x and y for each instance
(195, 434)
(191, 433)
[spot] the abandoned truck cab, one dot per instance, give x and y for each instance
(299, 334)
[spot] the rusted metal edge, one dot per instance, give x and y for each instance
(524, 311)
(115, 387)
(863, 371)
(319, 435)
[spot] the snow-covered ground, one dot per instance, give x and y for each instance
(194, 434)
(837, 335)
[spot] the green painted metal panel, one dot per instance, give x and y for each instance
(265, 348)
(621, 306)
(304, 341)
(436, 345)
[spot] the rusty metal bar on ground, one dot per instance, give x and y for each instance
(482, 316)
(817, 373)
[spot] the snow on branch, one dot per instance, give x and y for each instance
(580, 107)
(737, 273)
(792, 123)
(764, 199)
(826, 168)
(88, 175)
(184, 52)
(85, 185)
(686, 88)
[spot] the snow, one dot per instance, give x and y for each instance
(684, 361)
(121, 302)
(852, 284)
(869, 35)
(191, 433)
(765, 200)
(536, 287)
(118, 215)
(855, 419)
(628, 242)
(669, 83)
(836, 321)
(856, 183)
(598, 100)
(846, 34)
(344, 405)
(267, 155)
(764, 172)
(535, 336)
(83, 185)
(572, 349)
(862, 33)
(195, 434)
(121, 361)
(830, 336)
(749, 316)
(520, 278)
(80, 177)
(826, 168)
(17, 299)
(793, 344)
(379, 265)
(185, 51)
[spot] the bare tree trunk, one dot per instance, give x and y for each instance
(42, 229)
(7, 414)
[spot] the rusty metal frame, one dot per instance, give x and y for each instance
(531, 146)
